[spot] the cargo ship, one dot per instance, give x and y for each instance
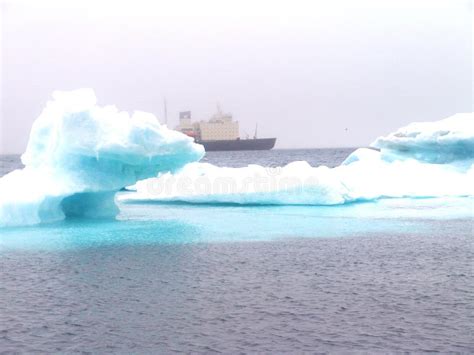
(221, 133)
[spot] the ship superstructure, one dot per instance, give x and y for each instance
(220, 132)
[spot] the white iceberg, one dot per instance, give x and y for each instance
(432, 159)
(444, 141)
(80, 154)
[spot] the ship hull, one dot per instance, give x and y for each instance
(239, 144)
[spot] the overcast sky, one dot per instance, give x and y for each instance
(304, 70)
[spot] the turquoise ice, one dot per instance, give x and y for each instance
(80, 154)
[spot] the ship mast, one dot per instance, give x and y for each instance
(219, 110)
(165, 111)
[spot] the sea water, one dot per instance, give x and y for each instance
(385, 275)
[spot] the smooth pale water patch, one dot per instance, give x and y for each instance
(83, 233)
(151, 223)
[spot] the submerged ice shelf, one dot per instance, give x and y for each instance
(146, 223)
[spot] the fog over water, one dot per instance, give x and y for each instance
(312, 74)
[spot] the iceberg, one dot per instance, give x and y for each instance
(80, 154)
(421, 160)
(445, 141)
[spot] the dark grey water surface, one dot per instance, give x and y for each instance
(330, 157)
(411, 290)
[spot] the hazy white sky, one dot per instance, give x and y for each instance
(304, 70)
